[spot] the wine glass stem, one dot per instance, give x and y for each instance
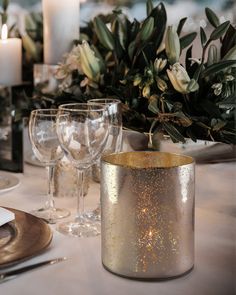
(80, 204)
(50, 172)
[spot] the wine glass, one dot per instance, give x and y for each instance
(114, 141)
(46, 148)
(82, 135)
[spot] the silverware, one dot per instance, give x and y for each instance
(8, 275)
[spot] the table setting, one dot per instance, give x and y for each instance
(83, 270)
(118, 166)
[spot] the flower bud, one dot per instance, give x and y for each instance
(62, 71)
(161, 84)
(147, 29)
(172, 45)
(217, 88)
(229, 78)
(180, 79)
(148, 72)
(137, 80)
(212, 55)
(89, 62)
(159, 64)
(146, 91)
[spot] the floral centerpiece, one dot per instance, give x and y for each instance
(142, 64)
(151, 69)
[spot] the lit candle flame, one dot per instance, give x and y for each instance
(150, 234)
(4, 32)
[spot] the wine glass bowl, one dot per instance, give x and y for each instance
(81, 135)
(44, 140)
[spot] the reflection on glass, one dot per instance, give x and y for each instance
(114, 141)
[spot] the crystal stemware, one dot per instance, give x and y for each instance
(46, 148)
(82, 131)
(114, 141)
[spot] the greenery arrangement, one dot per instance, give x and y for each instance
(139, 63)
(151, 69)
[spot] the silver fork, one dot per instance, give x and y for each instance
(8, 275)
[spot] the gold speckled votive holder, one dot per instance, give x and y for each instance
(147, 201)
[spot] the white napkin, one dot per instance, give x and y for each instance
(6, 216)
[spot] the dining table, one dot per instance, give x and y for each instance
(82, 273)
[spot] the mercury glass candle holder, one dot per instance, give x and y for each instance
(147, 201)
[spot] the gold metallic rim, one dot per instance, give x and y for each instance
(147, 160)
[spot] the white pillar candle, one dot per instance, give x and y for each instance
(10, 59)
(61, 27)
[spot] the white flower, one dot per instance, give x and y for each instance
(146, 91)
(71, 63)
(89, 62)
(159, 64)
(179, 78)
(229, 78)
(161, 84)
(73, 60)
(217, 88)
(63, 71)
(66, 83)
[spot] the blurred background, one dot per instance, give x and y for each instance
(136, 8)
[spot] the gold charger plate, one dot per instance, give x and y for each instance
(23, 238)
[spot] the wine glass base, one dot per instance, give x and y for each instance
(51, 215)
(80, 228)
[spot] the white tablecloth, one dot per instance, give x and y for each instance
(83, 273)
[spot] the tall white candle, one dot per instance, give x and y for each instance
(10, 59)
(61, 27)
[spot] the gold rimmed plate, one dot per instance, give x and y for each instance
(23, 238)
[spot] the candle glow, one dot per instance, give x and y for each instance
(4, 33)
